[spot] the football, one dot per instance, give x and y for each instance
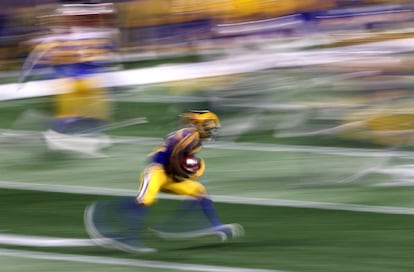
(191, 164)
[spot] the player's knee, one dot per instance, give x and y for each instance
(199, 191)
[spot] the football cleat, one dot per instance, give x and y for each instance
(224, 232)
(229, 231)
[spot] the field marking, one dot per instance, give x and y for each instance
(39, 255)
(229, 145)
(40, 241)
(216, 198)
(343, 151)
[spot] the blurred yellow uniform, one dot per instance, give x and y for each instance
(79, 58)
(168, 171)
(84, 45)
(164, 173)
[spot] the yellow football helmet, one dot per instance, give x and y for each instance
(205, 121)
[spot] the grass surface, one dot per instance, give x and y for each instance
(289, 239)
(247, 161)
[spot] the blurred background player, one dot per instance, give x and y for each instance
(80, 43)
(173, 168)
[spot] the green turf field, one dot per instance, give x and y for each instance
(280, 238)
(306, 203)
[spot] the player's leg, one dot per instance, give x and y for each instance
(133, 221)
(83, 109)
(136, 209)
(129, 214)
(202, 201)
(77, 125)
(80, 115)
(196, 190)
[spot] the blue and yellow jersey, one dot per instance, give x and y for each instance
(73, 54)
(77, 56)
(177, 145)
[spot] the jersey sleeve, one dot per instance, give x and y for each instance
(184, 143)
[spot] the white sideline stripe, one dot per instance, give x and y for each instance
(125, 262)
(216, 198)
(38, 241)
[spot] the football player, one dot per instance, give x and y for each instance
(173, 168)
(81, 43)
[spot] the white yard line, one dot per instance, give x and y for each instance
(124, 262)
(356, 152)
(39, 241)
(228, 145)
(217, 198)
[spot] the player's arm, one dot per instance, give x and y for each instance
(187, 145)
(34, 60)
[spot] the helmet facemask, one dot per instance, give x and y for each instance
(208, 129)
(205, 122)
